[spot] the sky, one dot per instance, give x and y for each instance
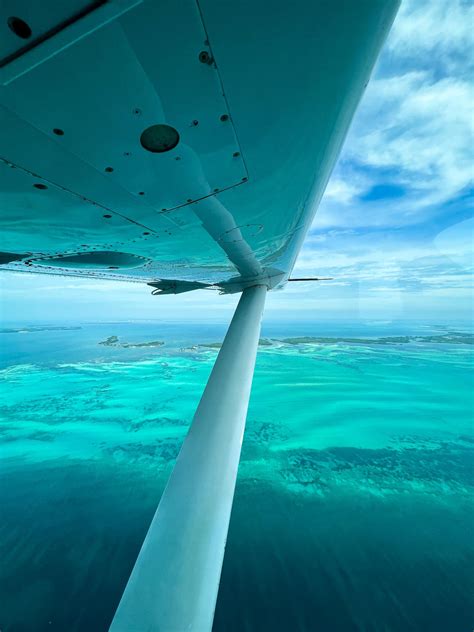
(395, 226)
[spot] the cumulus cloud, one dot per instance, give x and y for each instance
(423, 135)
(441, 29)
(414, 128)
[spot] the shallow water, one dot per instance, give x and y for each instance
(353, 508)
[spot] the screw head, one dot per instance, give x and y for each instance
(205, 57)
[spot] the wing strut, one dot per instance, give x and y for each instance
(174, 583)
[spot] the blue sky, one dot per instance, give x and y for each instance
(395, 227)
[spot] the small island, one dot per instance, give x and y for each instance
(30, 330)
(113, 341)
(448, 338)
(263, 342)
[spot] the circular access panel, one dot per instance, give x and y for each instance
(159, 138)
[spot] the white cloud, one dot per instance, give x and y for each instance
(344, 191)
(424, 133)
(414, 128)
(404, 262)
(441, 29)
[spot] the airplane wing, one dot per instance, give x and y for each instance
(172, 140)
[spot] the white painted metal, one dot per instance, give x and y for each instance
(173, 586)
(260, 130)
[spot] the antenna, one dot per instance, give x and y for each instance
(314, 279)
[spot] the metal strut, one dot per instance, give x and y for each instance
(174, 583)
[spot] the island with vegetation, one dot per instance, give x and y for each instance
(113, 341)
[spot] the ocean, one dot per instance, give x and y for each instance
(353, 509)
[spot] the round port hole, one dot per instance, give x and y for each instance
(159, 138)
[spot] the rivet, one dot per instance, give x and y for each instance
(236, 154)
(224, 117)
(109, 169)
(205, 58)
(40, 186)
(107, 216)
(58, 131)
(244, 179)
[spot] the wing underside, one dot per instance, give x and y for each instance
(175, 141)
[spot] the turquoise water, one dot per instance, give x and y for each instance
(353, 508)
